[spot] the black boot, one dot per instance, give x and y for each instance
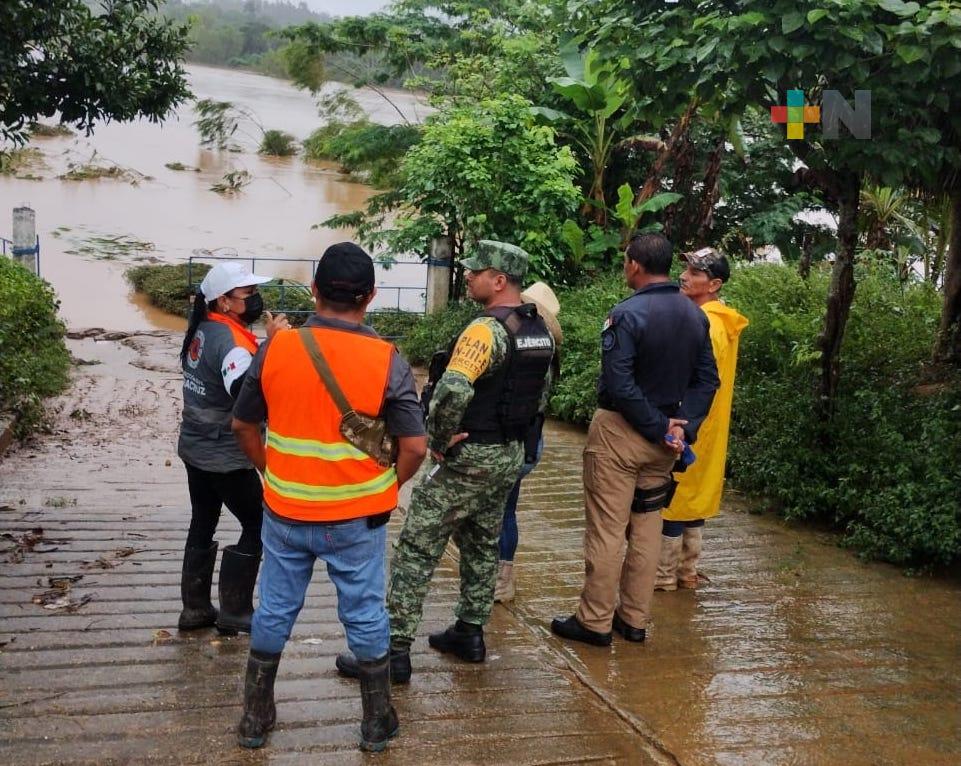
(400, 669)
(195, 579)
(238, 574)
(572, 629)
(380, 719)
(629, 632)
(260, 714)
(463, 639)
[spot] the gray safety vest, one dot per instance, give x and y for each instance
(206, 441)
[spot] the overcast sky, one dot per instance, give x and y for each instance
(346, 7)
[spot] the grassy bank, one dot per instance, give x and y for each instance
(170, 286)
(34, 362)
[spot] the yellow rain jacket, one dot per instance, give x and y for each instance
(699, 488)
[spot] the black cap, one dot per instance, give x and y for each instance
(345, 273)
(709, 260)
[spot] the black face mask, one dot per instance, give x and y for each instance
(253, 308)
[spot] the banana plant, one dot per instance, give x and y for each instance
(631, 216)
(590, 250)
(597, 91)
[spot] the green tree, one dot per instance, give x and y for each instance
(479, 172)
(751, 52)
(118, 63)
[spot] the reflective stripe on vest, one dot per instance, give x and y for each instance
(312, 448)
(313, 473)
(317, 493)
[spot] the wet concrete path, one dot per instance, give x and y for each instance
(794, 653)
(112, 680)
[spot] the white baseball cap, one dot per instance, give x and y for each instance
(225, 276)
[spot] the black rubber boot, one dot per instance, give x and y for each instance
(238, 574)
(400, 669)
(260, 713)
(571, 628)
(462, 639)
(195, 579)
(380, 719)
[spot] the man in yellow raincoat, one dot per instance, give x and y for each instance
(698, 495)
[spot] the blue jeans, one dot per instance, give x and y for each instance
(676, 528)
(509, 533)
(355, 557)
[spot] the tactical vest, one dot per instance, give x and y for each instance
(506, 401)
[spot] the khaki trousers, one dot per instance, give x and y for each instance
(616, 460)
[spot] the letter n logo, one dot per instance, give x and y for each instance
(835, 109)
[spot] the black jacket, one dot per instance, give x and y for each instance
(657, 362)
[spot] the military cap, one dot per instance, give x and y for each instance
(500, 256)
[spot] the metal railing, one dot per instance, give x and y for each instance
(290, 290)
(8, 249)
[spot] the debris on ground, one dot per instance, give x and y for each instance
(24, 543)
(59, 596)
(103, 562)
(162, 637)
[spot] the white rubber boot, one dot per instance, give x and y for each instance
(504, 589)
(687, 576)
(667, 564)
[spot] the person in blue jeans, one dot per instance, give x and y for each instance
(548, 307)
(327, 494)
(505, 588)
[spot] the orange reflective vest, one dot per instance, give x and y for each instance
(242, 336)
(313, 474)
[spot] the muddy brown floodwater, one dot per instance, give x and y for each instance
(91, 231)
(794, 653)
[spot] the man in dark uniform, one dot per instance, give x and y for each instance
(658, 378)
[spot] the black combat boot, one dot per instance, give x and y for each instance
(238, 574)
(260, 713)
(195, 579)
(571, 628)
(380, 719)
(400, 669)
(463, 639)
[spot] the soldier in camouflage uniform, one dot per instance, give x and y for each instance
(481, 409)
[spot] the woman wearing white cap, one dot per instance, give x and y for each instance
(548, 308)
(217, 350)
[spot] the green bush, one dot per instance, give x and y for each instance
(277, 143)
(435, 331)
(889, 476)
(363, 148)
(34, 361)
(583, 311)
(168, 285)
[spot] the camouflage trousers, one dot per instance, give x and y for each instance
(465, 500)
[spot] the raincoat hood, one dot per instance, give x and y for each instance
(732, 321)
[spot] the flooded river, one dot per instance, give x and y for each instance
(91, 231)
